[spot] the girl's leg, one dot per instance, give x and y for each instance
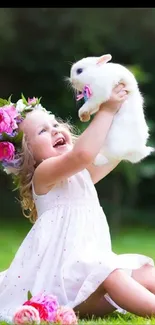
(95, 306)
(125, 291)
(129, 294)
(145, 275)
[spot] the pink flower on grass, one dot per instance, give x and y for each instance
(49, 301)
(7, 119)
(43, 312)
(26, 315)
(7, 151)
(65, 316)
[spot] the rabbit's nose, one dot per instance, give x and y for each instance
(73, 81)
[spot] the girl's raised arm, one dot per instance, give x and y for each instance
(55, 169)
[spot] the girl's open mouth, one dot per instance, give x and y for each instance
(59, 142)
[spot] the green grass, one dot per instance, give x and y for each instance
(128, 241)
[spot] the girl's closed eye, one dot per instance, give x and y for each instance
(42, 131)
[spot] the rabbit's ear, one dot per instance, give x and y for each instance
(104, 59)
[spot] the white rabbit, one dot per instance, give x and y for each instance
(128, 134)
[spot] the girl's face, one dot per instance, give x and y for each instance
(47, 138)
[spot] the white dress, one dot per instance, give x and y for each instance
(68, 250)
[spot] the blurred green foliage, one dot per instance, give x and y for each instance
(38, 46)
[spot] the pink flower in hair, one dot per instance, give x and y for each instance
(12, 112)
(65, 315)
(7, 151)
(32, 101)
(7, 119)
(4, 122)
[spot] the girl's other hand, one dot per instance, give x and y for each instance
(117, 98)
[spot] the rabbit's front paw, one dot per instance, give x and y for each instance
(84, 115)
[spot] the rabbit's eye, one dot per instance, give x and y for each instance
(79, 70)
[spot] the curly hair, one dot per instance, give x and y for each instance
(24, 174)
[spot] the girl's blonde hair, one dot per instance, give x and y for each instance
(25, 172)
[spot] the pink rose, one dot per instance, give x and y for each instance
(65, 316)
(7, 119)
(12, 112)
(7, 151)
(43, 312)
(50, 302)
(32, 100)
(5, 122)
(26, 315)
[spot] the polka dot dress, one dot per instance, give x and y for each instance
(68, 250)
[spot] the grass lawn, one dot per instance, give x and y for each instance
(134, 241)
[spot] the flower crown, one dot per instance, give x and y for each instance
(11, 115)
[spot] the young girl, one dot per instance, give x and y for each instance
(68, 250)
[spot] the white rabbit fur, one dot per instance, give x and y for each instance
(128, 134)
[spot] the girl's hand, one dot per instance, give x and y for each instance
(118, 96)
